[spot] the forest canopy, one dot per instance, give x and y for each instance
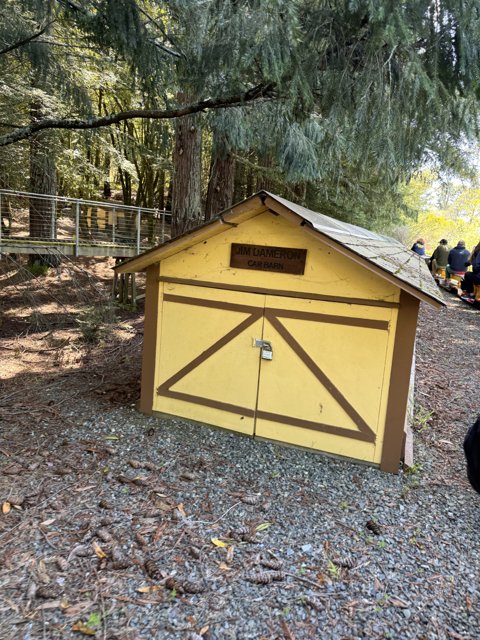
(194, 105)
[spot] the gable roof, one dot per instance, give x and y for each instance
(383, 255)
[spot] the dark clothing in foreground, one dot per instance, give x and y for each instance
(419, 249)
(471, 446)
(457, 259)
(467, 282)
(440, 255)
(472, 278)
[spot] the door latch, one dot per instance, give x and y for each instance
(265, 346)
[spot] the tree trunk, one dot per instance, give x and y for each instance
(250, 188)
(160, 190)
(220, 184)
(42, 215)
(239, 182)
(264, 181)
(300, 191)
(187, 168)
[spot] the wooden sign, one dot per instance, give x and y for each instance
(261, 258)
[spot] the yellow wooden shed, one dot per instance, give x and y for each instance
(282, 323)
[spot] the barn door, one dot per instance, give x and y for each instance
(208, 369)
(324, 385)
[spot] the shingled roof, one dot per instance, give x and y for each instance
(382, 253)
(385, 252)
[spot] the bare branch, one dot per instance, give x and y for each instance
(32, 36)
(260, 92)
(164, 33)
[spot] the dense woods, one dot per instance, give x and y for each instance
(332, 104)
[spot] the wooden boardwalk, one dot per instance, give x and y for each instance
(75, 227)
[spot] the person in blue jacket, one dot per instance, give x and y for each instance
(458, 259)
(419, 247)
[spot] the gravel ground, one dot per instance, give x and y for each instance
(117, 525)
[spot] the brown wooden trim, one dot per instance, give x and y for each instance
(150, 339)
(327, 318)
(207, 402)
(213, 304)
(280, 292)
(399, 383)
(365, 431)
(287, 213)
(314, 426)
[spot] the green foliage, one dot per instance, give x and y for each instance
(365, 93)
(414, 469)
(421, 418)
(37, 269)
(333, 570)
(446, 206)
(94, 619)
(92, 321)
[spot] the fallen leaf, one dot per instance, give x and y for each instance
(99, 552)
(219, 543)
(224, 567)
(45, 523)
(111, 438)
(263, 526)
(80, 489)
(164, 506)
(53, 604)
(181, 509)
(149, 588)
(230, 551)
(203, 630)
(6, 507)
(77, 609)
(84, 628)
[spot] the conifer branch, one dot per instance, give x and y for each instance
(24, 41)
(260, 92)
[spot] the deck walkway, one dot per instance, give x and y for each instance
(75, 227)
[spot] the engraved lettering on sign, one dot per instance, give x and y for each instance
(280, 259)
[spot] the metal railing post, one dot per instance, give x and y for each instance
(114, 220)
(162, 239)
(77, 227)
(53, 229)
(1, 218)
(139, 214)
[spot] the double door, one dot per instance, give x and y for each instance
(300, 371)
